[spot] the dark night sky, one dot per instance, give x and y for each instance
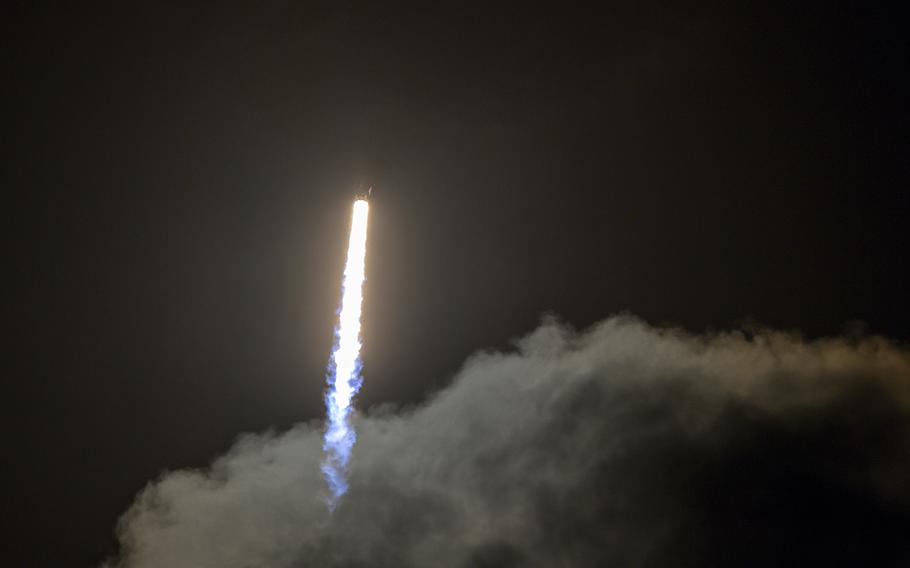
(179, 180)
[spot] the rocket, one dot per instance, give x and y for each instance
(364, 195)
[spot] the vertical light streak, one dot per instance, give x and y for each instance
(343, 376)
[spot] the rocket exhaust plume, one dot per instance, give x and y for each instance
(343, 375)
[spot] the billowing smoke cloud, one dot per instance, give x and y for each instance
(625, 445)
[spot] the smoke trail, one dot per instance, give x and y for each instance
(343, 377)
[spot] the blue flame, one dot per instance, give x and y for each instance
(340, 435)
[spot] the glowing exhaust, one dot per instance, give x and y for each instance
(343, 376)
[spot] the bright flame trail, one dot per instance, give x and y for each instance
(344, 366)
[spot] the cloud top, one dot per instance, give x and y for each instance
(624, 445)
